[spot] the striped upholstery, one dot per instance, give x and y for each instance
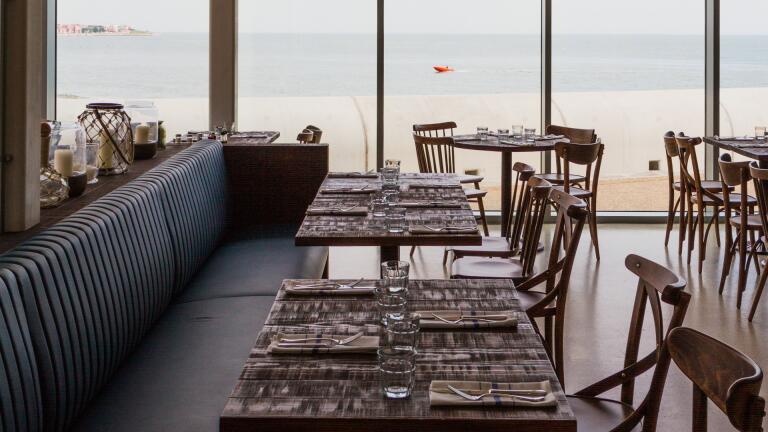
(100, 279)
(20, 403)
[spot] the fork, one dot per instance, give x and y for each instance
(490, 392)
(486, 318)
(325, 284)
(335, 342)
(339, 209)
(448, 228)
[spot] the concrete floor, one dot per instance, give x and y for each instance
(600, 303)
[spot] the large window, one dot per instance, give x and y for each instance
(494, 49)
(631, 71)
(308, 62)
(143, 50)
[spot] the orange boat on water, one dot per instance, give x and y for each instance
(441, 69)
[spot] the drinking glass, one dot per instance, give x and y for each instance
(390, 178)
(392, 163)
(517, 132)
(760, 133)
(391, 306)
(395, 276)
(92, 162)
(391, 196)
(397, 369)
(530, 134)
(396, 222)
(503, 134)
(404, 333)
(379, 207)
(482, 131)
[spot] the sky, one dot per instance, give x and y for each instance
(425, 16)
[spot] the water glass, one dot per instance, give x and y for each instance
(760, 132)
(482, 131)
(379, 207)
(503, 134)
(394, 275)
(530, 134)
(397, 370)
(517, 132)
(392, 163)
(402, 334)
(391, 306)
(396, 222)
(391, 196)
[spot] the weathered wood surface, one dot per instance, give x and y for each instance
(753, 149)
(336, 393)
(252, 138)
(369, 231)
(492, 143)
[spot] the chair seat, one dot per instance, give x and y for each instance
(753, 222)
(559, 179)
(491, 247)
(475, 193)
(487, 268)
(529, 298)
(470, 179)
(719, 200)
(710, 185)
(597, 414)
(575, 191)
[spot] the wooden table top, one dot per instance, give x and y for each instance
(252, 138)
(753, 149)
(333, 393)
(492, 143)
(350, 230)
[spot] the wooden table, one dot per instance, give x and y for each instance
(370, 231)
(506, 148)
(753, 149)
(259, 137)
(333, 393)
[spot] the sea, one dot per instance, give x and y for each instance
(175, 65)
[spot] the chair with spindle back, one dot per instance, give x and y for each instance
(437, 155)
(656, 285)
(760, 178)
(550, 303)
(305, 137)
(741, 216)
(590, 156)
(576, 136)
(721, 374)
(317, 133)
(445, 129)
(509, 246)
(701, 198)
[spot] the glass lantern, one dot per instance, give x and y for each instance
(145, 121)
(69, 156)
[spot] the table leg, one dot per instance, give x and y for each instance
(506, 190)
(390, 253)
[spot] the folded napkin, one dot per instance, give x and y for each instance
(441, 395)
(429, 204)
(434, 185)
(741, 138)
(467, 138)
(548, 137)
(423, 229)
(361, 345)
(349, 190)
(335, 211)
(473, 319)
(343, 175)
(331, 289)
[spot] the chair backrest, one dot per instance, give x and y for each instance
(733, 174)
(721, 374)
(581, 154)
(671, 153)
(305, 137)
(576, 136)
(317, 133)
(520, 190)
(569, 223)
(435, 129)
(435, 154)
(760, 177)
(689, 167)
(533, 210)
(656, 285)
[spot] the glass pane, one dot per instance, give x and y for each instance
(308, 62)
(148, 50)
(743, 68)
(632, 71)
(493, 48)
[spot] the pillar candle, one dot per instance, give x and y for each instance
(105, 151)
(141, 136)
(62, 161)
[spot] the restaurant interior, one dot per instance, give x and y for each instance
(382, 216)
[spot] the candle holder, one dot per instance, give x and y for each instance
(53, 187)
(110, 126)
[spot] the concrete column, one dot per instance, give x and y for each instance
(223, 67)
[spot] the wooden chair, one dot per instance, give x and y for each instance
(533, 210)
(509, 246)
(701, 198)
(306, 137)
(550, 303)
(760, 178)
(576, 136)
(317, 133)
(437, 155)
(590, 156)
(740, 216)
(721, 374)
(656, 285)
(446, 129)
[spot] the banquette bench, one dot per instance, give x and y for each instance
(137, 312)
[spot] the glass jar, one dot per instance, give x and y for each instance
(145, 121)
(67, 153)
